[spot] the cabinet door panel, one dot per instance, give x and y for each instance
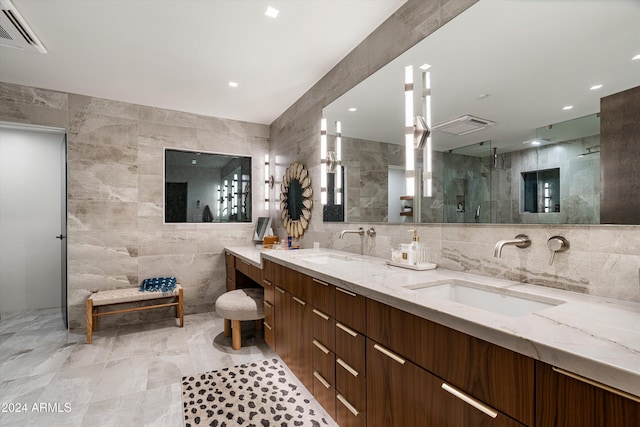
(301, 327)
(565, 401)
(350, 309)
(502, 378)
(324, 297)
(325, 394)
(282, 307)
(401, 394)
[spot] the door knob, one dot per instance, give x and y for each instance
(62, 236)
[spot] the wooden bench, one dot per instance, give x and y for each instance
(128, 296)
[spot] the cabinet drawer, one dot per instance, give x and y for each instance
(324, 361)
(350, 309)
(268, 290)
(351, 383)
(347, 415)
(324, 296)
(499, 377)
(231, 283)
(325, 394)
(350, 346)
(229, 260)
(324, 329)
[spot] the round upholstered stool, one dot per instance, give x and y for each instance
(238, 305)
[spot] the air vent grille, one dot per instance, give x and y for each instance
(462, 125)
(15, 32)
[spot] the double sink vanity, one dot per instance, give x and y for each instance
(384, 346)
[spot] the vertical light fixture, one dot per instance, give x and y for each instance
(218, 206)
(266, 181)
(338, 191)
(234, 190)
(225, 204)
(427, 156)
(323, 161)
(408, 131)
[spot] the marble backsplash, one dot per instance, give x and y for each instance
(115, 165)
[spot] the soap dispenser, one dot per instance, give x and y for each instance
(420, 251)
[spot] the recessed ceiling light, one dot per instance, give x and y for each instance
(596, 87)
(425, 67)
(635, 58)
(272, 12)
(352, 109)
(233, 84)
(567, 107)
(483, 96)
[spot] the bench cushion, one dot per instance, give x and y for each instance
(115, 296)
(241, 304)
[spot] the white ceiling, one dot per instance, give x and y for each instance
(181, 54)
(530, 57)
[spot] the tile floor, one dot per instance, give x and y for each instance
(129, 376)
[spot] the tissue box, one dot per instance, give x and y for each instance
(269, 241)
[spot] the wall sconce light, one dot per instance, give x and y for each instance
(338, 166)
(323, 161)
(268, 181)
(427, 157)
(408, 131)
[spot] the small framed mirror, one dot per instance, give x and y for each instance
(206, 187)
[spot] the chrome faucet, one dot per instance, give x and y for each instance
(521, 241)
(359, 231)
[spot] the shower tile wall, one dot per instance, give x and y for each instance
(116, 234)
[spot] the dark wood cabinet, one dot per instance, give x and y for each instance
(301, 337)
(402, 394)
(500, 377)
(350, 309)
(564, 399)
(230, 263)
(282, 307)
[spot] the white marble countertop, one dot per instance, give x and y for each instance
(598, 338)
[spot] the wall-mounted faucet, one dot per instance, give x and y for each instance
(557, 244)
(521, 241)
(359, 231)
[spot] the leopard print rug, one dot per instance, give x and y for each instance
(259, 394)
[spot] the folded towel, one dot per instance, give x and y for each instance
(158, 284)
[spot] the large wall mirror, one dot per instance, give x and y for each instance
(206, 187)
(535, 73)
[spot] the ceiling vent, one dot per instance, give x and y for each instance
(462, 125)
(14, 30)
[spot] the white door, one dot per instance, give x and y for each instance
(31, 206)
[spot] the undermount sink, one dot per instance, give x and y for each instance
(327, 258)
(495, 300)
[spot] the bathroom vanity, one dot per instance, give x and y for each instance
(383, 346)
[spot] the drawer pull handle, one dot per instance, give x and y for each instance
(268, 304)
(266, 325)
(346, 366)
(299, 301)
(324, 382)
(321, 314)
(470, 400)
(344, 291)
(322, 348)
(348, 405)
(389, 354)
(596, 384)
(320, 281)
(347, 329)
(266, 282)
(279, 289)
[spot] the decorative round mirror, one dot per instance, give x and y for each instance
(295, 199)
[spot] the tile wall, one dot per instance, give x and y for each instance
(116, 234)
